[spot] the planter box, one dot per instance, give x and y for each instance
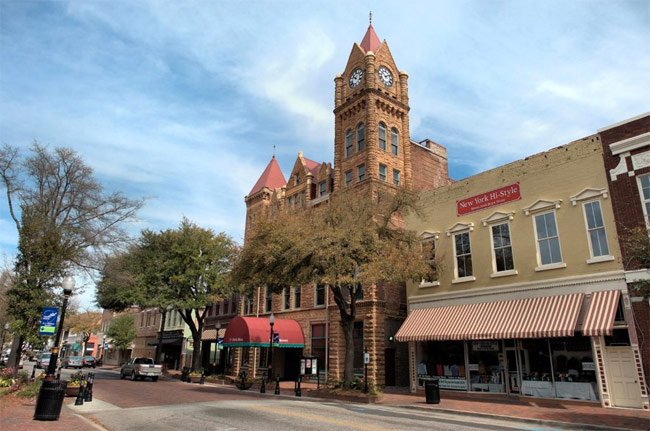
(195, 379)
(72, 391)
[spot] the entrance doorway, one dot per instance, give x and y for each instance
(389, 367)
(517, 365)
(622, 376)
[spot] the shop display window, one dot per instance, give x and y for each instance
(485, 371)
(444, 361)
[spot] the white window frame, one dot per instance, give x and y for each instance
(495, 219)
(458, 229)
(646, 216)
(587, 196)
(554, 265)
(426, 237)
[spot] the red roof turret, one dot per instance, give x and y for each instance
(272, 177)
(370, 41)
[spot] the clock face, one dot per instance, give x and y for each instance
(355, 77)
(385, 76)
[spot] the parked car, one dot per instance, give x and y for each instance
(89, 361)
(141, 368)
(73, 361)
(43, 360)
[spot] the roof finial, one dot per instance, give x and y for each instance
(370, 17)
(273, 150)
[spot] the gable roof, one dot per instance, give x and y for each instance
(312, 165)
(370, 41)
(272, 177)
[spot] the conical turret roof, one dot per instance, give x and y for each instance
(272, 177)
(370, 41)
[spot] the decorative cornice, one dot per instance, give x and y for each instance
(426, 235)
(497, 216)
(633, 143)
(460, 227)
(542, 205)
(588, 193)
(603, 281)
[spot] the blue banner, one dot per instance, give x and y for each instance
(48, 321)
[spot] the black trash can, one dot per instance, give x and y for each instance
(432, 391)
(50, 401)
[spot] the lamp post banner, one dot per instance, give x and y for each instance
(48, 321)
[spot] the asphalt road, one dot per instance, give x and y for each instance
(121, 405)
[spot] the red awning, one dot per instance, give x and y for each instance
(256, 332)
(601, 312)
(549, 316)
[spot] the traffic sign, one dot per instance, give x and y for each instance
(276, 337)
(48, 321)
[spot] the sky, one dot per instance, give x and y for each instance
(184, 103)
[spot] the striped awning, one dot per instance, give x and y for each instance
(212, 334)
(549, 316)
(599, 319)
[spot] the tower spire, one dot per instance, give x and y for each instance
(370, 17)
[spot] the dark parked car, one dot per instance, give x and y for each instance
(43, 360)
(89, 361)
(73, 361)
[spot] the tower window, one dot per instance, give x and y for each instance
(394, 141)
(396, 177)
(322, 188)
(348, 178)
(361, 137)
(361, 169)
(382, 136)
(349, 137)
(382, 172)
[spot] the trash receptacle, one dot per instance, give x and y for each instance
(432, 391)
(50, 401)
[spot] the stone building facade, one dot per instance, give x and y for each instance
(373, 150)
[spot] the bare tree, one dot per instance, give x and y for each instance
(65, 222)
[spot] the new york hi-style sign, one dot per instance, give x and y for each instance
(488, 199)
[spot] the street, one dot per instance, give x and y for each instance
(173, 405)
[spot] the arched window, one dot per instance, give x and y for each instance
(361, 137)
(382, 136)
(349, 138)
(394, 141)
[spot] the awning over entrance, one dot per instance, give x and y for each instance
(601, 313)
(212, 334)
(549, 316)
(256, 332)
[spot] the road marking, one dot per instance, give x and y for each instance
(344, 423)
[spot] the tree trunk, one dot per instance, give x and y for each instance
(347, 325)
(163, 318)
(16, 353)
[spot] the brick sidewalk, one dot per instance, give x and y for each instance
(17, 414)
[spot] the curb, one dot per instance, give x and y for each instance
(574, 426)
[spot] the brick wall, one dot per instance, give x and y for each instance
(641, 311)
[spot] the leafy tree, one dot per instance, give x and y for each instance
(353, 242)
(122, 331)
(636, 244)
(183, 269)
(84, 324)
(65, 223)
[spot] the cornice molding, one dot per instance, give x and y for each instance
(542, 205)
(460, 227)
(497, 216)
(587, 194)
(633, 143)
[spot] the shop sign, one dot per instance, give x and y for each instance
(314, 366)
(488, 199)
(588, 366)
(302, 367)
(485, 346)
(455, 384)
(473, 367)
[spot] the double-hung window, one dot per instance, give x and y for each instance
(396, 177)
(268, 300)
(382, 136)
(596, 229)
(361, 137)
(548, 239)
(319, 295)
(349, 139)
(348, 178)
(286, 293)
(644, 191)
(463, 255)
(382, 172)
(296, 297)
(322, 188)
(394, 141)
(502, 248)
(361, 170)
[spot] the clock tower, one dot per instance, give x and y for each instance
(372, 145)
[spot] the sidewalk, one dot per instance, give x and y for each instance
(17, 414)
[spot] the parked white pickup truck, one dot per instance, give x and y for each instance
(141, 368)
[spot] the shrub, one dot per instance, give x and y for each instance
(30, 390)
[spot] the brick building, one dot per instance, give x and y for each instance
(373, 151)
(626, 153)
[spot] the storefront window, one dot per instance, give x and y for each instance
(485, 372)
(445, 360)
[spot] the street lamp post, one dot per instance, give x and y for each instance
(50, 396)
(270, 361)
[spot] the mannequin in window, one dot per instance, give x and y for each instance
(422, 368)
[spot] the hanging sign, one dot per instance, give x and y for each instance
(48, 321)
(485, 346)
(488, 199)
